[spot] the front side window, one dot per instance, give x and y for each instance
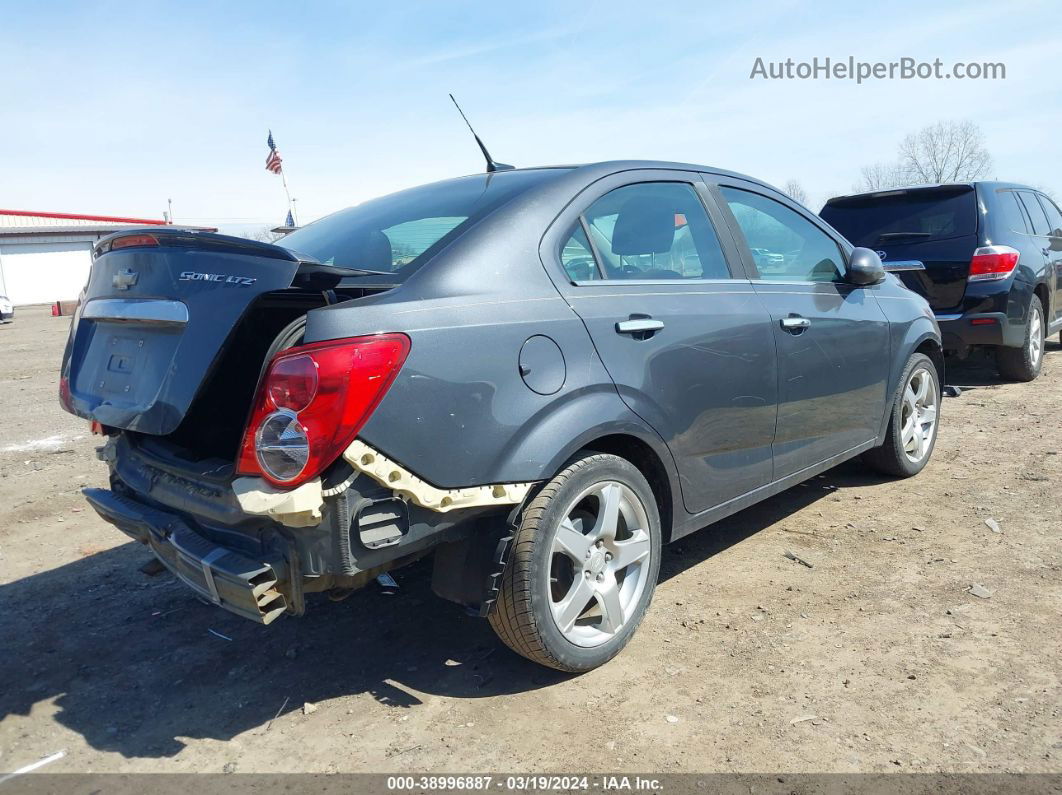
(652, 230)
(785, 246)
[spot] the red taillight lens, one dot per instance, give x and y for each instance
(991, 263)
(312, 403)
(292, 382)
(128, 241)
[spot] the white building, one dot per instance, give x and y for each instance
(45, 257)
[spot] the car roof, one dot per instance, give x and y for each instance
(991, 184)
(592, 171)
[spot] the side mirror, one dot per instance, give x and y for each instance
(864, 267)
(1056, 240)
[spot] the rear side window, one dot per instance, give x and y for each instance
(399, 233)
(1054, 216)
(654, 230)
(1013, 215)
(904, 216)
(785, 245)
(578, 258)
(1036, 213)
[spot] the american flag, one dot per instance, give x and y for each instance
(273, 160)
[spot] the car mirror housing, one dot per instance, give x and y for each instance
(864, 268)
(1056, 240)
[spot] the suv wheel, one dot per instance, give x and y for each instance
(1024, 363)
(583, 566)
(912, 432)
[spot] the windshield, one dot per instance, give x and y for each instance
(399, 233)
(907, 217)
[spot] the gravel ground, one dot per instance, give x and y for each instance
(877, 659)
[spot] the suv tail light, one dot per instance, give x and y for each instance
(313, 401)
(992, 263)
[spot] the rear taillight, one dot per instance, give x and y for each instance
(992, 263)
(65, 398)
(313, 401)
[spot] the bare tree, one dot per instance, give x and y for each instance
(948, 151)
(795, 191)
(879, 176)
(262, 235)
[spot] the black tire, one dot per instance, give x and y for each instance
(1018, 364)
(890, 458)
(522, 616)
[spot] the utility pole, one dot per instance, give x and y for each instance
(169, 214)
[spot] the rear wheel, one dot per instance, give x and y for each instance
(912, 432)
(583, 566)
(1024, 363)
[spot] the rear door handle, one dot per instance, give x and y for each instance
(642, 325)
(795, 324)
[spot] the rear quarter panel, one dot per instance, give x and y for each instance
(460, 413)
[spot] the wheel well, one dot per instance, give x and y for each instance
(1041, 292)
(931, 349)
(649, 464)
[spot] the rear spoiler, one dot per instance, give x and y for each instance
(197, 239)
(904, 265)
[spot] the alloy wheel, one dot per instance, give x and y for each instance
(599, 563)
(918, 414)
(1036, 339)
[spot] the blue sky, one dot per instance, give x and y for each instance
(114, 107)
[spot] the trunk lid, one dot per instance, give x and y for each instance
(153, 320)
(937, 226)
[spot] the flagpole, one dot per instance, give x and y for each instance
(273, 153)
(291, 208)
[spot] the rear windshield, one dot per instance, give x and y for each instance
(909, 217)
(397, 234)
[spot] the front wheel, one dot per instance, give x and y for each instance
(912, 432)
(583, 566)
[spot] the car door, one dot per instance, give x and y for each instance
(832, 337)
(1053, 251)
(675, 320)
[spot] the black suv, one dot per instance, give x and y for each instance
(987, 255)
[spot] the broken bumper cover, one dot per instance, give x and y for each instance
(229, 579)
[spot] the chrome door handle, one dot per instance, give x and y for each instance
(795, 324)
(639, 326)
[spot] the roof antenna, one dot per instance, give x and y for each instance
(491, 165)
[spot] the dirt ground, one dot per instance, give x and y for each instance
(876, 659)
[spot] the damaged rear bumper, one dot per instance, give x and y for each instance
(230, 580)
(242, 550)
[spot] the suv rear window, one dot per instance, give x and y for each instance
(904, 216)
(399, 233)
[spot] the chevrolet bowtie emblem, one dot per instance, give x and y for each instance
(123, 280)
